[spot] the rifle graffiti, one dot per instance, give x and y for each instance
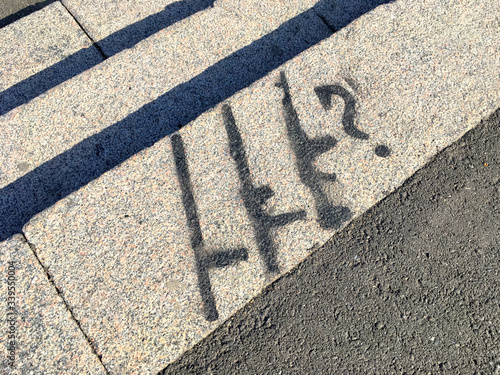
(306, 151)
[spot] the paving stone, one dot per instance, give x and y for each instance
(35, 321)
(163, 248)
(206, 58)
(271, 14)
(37, 42)
(339, 13)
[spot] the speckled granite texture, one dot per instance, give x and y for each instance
(339, 13)
(163, 82)
(47, 339)
(118, 25)
(38, 41)
(103, 19)
(270, 14)
(100, 97)
(142, 253)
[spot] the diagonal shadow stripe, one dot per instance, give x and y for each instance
(86, 58)
(24, 12)
(92, 157)
(132, 34)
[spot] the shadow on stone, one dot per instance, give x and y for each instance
(86, 58)
(92, 157)
(24, 12)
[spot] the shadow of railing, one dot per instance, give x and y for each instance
(86, 58)
(92, 157)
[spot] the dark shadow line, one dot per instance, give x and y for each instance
(132, 34)
(89, 159)
(24, 12)
(86, 58)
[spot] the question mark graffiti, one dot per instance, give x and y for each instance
(325, 94)
(307, 150)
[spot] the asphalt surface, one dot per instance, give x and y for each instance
(411, 287)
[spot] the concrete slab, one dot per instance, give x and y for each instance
(37, 42)
(39, 336)
(129, 102)
(160, 250)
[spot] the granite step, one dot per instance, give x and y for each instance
(55, 92)
(39, 41)
(115, 26)
(42, 336)
(158, 251)
(40, 54)
(90, 122)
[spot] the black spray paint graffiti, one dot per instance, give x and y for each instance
(254, 197)
(204, 260)
(325, 94)
(306, 151)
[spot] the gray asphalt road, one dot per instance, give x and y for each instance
(411, 287)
